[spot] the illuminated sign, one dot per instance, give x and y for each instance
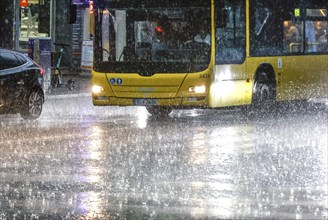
(297, 12)
(316, 12)
(91, 6)
(23, 3)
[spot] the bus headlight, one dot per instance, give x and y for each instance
(97, 89)
(197, 89)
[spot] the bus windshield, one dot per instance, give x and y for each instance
(153, 39)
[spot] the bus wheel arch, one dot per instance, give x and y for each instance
(264, 89)
(265, 72)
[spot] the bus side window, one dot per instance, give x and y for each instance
(266, 21)
(321, 34)
(310, 36)
(293, 36)
(231, 36)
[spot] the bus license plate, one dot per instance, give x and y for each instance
(144, 101)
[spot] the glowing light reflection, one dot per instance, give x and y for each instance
(223, 207)
(91, 203)
(142, 115)
(198, 151)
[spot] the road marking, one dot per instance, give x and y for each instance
(67, 96)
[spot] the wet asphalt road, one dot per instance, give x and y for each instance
(83, 162)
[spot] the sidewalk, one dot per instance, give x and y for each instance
(82, 86)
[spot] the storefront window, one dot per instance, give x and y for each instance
(34, 21)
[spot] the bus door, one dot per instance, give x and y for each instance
(228, 87)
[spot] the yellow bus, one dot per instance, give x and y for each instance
(166, 54)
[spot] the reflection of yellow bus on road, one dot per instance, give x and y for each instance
(208, 53)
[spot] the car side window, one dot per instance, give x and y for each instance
(9, 60)
(2, 64)
(21, 59)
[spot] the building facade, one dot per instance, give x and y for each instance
(6, 23)
(21, 20)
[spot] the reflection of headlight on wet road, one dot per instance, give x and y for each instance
(198, 154)
(142, 118)
(90, 203)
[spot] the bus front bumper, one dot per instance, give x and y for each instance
(174, 102)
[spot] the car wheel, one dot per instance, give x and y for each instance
(32, 105)
(159, 111)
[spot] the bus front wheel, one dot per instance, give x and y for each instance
(159, 111)
(263, 101)
(263, 96)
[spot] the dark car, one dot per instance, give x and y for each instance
(21, 85)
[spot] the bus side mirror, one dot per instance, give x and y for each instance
(72, 13)
(221, 18)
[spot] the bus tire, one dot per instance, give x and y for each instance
(264, 96)
(159, 111)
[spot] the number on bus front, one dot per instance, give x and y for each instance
(205, 76)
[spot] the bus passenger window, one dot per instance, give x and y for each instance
(321, 32)
(293, 37)
(311, 43)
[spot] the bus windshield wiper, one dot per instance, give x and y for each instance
(264, 22)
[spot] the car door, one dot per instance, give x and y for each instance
(10, 77)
